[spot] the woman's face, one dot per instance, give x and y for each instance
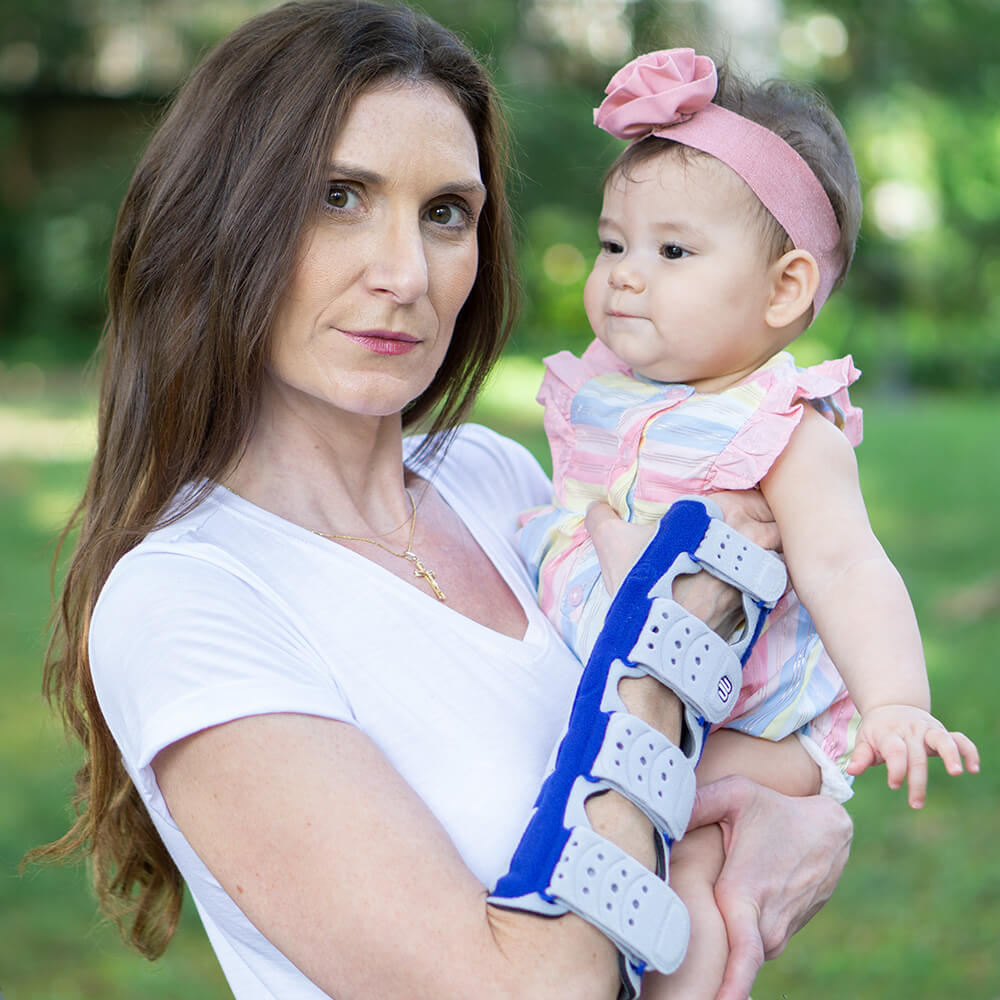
(383, 272)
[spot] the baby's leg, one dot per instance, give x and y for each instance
(696, 861)
(784, 765)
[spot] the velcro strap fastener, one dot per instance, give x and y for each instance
(735, 559)
(639, 912)
(683, 653)
(642, 764)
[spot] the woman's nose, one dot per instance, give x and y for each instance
(398, 265)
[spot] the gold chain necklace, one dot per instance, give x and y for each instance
(419, 569)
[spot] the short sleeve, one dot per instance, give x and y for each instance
(181, 641)
(779, 392)
(565, 375)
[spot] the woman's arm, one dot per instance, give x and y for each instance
(344, 869)
(764, 895)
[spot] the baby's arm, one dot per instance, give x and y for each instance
(859, 606)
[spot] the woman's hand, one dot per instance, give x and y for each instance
(747, 512)
(765, 895)
(619, 544)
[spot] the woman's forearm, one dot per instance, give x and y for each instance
(345, 870)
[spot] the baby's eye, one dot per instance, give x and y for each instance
(450, 215)
(340, 197)
(673, 252)
(610, 246)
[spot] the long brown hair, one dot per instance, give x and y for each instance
(205, 244)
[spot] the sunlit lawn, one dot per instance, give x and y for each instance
(916, 916)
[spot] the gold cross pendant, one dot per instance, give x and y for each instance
(420, 570)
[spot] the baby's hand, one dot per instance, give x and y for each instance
(902, 737)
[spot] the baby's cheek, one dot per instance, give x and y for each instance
(593, 296)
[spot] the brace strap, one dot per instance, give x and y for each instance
(759, 574)
(642, 764)
(639, 912)
(731, 557)
(560, 863)
(685, 655)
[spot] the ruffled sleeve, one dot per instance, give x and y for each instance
(565, 374)
(776, 395)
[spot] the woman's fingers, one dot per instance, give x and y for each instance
(618, 543)
(747, 512)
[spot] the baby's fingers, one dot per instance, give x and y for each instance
(952, 748)
(863, 758)
(969, 751)
(896, 756)
(916, 777)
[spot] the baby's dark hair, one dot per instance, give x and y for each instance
(803, 119)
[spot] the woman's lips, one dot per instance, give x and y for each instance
(383, 341)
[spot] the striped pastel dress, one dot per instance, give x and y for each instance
(639, 445)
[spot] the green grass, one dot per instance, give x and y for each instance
(917, 914)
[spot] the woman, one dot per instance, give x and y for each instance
(305, 661)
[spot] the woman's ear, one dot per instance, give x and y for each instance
(794, 280)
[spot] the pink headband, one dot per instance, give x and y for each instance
(668, 94)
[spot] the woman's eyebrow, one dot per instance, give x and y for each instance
(355, 172)
(464, 187)
(342, 168)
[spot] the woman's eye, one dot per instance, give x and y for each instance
(449, 215)
(673, 252)
(340, 197)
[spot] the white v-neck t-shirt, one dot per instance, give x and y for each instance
(233, 611)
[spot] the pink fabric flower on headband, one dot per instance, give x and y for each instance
(655, 91)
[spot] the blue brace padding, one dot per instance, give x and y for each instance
(681, 530)
(550, 848)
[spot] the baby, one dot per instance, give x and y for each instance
(726, 224)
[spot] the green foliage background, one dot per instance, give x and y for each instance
(916, 82)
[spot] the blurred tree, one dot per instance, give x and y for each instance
(916, 83)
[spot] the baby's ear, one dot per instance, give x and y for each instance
(794, 280)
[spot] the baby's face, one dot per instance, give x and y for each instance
(680, 286)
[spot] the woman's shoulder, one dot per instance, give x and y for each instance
(485, 465)
(189, 631)
(192, 564)
(193, 533)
